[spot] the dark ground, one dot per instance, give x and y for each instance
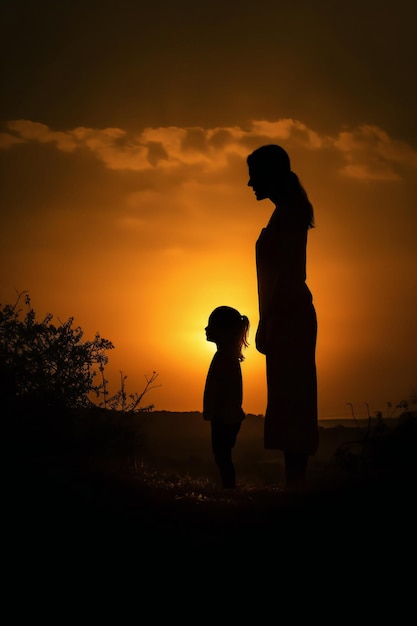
(90, 533)
(74, 508)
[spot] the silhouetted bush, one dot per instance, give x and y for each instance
(44, 366)
(48, 377)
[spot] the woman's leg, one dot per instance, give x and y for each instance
(295, 469)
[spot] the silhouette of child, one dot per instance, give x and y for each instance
(222, 401)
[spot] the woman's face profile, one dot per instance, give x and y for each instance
(210, 329)
(259, 183)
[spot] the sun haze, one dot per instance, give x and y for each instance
(124, 183)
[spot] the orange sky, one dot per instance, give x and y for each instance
(139, 227)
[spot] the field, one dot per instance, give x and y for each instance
(152, 482)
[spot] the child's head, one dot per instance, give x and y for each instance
(228, 328)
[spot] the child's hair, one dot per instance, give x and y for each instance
(236, 325)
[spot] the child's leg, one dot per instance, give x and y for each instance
(223, 439)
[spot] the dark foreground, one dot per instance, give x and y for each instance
(71, 515)
(51, 508)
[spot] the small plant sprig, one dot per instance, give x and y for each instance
(361, 455)
(129, 403)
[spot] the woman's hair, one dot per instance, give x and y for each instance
(271, 158)
(230, 321)
(272, 161)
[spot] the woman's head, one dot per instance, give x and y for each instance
(269, 166)
(270, 176)
(228, 328)
(270, 157)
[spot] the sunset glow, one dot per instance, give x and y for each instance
(138, 227)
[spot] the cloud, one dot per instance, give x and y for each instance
(286, 129)
(371, 154)
(7, 140)
(368, 152)
(34, 131)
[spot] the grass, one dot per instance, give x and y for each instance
(113, 489)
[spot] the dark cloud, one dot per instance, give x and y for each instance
(195, 139)
(156, 152)
(190, 64)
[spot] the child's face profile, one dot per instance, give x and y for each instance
(220, 328)
(215, 331)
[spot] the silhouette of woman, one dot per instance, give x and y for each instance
(287, 329)
(222, 401)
